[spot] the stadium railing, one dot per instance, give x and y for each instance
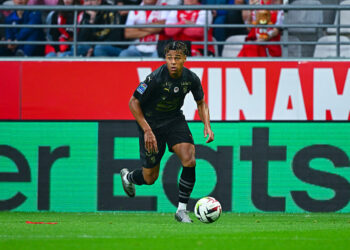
(284, 27)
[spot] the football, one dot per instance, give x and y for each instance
(207, 209)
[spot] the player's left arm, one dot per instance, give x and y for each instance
(203, 112)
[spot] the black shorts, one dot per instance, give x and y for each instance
(171, 134)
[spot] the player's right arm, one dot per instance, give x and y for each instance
(150, 139)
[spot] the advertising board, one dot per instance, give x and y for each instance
(250, 167)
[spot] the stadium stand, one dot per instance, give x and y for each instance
(294, 50)
(344, 20)
(291, 34)
(330, 50)
(232, 50)
(305, 17)
(329, 15)
(48, 20)
(216, 47)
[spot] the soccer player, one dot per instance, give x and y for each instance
(156, 105)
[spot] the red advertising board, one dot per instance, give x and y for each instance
(10, 81)
(78, 90)
(235, 90)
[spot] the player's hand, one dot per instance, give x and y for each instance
(150, 142)
(208, 132)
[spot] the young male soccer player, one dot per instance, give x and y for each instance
(156, 105)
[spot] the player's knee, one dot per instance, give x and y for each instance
(189, 161)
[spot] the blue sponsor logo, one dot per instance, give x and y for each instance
(142, 87)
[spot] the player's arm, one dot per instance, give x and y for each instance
(203, 112)
(150, 139)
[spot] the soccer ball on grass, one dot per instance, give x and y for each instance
(207, 209)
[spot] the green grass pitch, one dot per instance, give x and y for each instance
(160, 231)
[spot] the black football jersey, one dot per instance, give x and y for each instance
(161, 97)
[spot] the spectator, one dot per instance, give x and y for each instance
(100, 34)
(144, 34)
(2, 35)
(259, 34)
(24, 34)
(2, 30)
(219, 17)
(236, 17)
(192, 34)
(61, 34)
(43, 2)
(249, 16)
(6, 3)
(171, 2)
(124, 13)
(129, 2)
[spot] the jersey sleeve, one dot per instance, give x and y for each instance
(202, 16)
(197, 90)
(280, 18)
(130, 20)
(164, 14)
(145, 88)
(172, 17)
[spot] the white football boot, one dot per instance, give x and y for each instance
(182, 216)
(128, 187)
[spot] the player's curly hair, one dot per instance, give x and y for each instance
(176, 45)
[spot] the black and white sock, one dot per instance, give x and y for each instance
(186, 184)
(136, 177)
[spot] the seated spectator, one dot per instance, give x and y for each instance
(2, 30)
(128, 2)
(2, 35)
(6, 3)
(249, 16)
(236, 17)
(124, 13)
(43, 2)
(144, 34)
(61, 34)
(262, 34)
(171, 2)
(100, 34)
(219, 17)
(24, 34)
(192, 34)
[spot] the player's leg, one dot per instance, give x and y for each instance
(186, 154)
(149, 173)
(180, 142)
(139, 176)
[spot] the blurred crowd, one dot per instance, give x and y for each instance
(144, 41)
